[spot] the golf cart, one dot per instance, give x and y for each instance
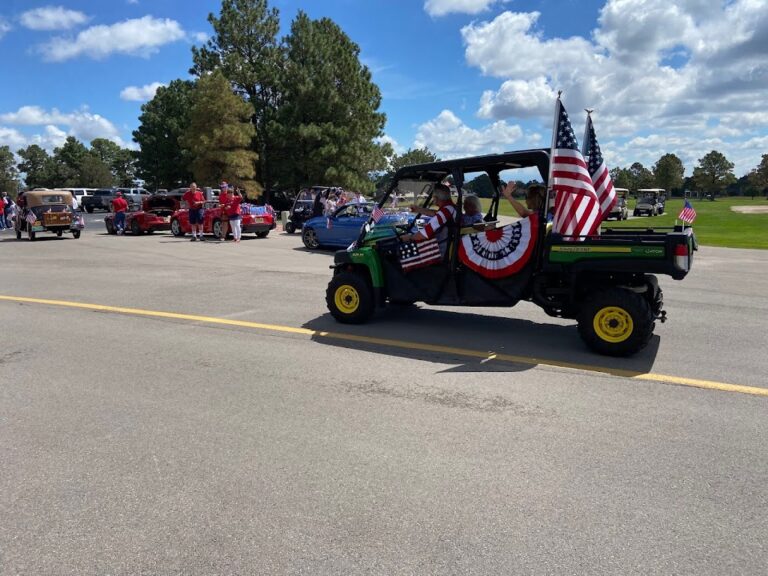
(606, 282)
(619, 210)
(47, 211)
(650, 202)
(306, 205)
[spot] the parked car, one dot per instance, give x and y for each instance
(142, 221)
(255, 219)
(343, 227)
(47, 211)
(79, 194)
(98, 200)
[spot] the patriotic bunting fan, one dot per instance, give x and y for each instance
(501, 252)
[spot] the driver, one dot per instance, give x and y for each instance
(437, 225)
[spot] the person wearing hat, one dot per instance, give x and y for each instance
(119, 207)
(224, 199)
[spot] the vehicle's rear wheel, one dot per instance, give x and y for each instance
(176, 228)
(309, 237)
(349, 298)
(262, 234)
(75, 234)
(59, 233)
(111, 227)
(290, 228)
(616, 322)
(216, 228)
(135, 228)
(89, 209)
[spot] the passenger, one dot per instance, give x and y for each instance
(534, 199)
(472, 214)
(437, 227)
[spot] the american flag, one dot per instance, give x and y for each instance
(577, 209)
(419, 254)
(31, 217)
(601, 179)
(377, 213)
(687, 214)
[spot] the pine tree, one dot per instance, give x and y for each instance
(246, 50)
(328, 117)
(161, 161)
(220, 135)
(9, 175)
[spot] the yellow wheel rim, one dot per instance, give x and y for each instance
(613, 324)
(347, 299)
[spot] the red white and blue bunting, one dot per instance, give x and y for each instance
(501, 252)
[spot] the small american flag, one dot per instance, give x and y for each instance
(577, 209)
(377, 213)
(687, 214)
(419, 254)
(601, 179)
(31, 218)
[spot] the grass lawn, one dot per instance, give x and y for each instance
(716, 224)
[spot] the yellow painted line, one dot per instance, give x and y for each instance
(485, 356)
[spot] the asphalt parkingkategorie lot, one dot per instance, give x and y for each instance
(169, 407)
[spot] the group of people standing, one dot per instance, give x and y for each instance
(230, 199)
(7, 211)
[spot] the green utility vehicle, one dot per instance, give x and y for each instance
(606, 282)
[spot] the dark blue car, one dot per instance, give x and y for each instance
(343, 228)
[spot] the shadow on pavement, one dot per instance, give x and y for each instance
(483, 336)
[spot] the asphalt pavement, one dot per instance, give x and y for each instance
(140, 444)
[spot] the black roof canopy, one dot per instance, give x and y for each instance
(437, 171)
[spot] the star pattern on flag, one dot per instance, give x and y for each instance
(565, 136)
(594, 152)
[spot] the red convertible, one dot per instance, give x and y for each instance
(257, 219)
(142, 221)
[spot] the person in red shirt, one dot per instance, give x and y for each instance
(119, 207)
(224, 198)
(195, 201)
(233, 211)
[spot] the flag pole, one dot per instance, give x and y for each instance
(555, 120)
(585, 140)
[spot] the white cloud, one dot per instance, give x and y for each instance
(12, 138)
(138, 36)
(82, 124)
(52, 18)
(200, 37)
(448, 137)
(443, 7)
(387, 139)
(692, 67)
(140, 93)
(4, 27)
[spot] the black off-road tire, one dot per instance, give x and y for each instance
(616, 322)
(290, 228)
(349, 298)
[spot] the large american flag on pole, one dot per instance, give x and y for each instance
(601, 179)
(577, 208)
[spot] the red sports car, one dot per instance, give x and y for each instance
(142, 221)
(257, 219)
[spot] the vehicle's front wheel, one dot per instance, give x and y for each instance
(216, 228)
(89, 209)
(59, 233)
(135, 228)
(616, 322)
(309, 237)
(290, 228)
(75, 234)
(349, 298)
(176, 228)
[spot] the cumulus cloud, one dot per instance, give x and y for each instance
(448, 137)
(52, 18)
(4, 27)
(12, 138)
(692, 66)
(140, 93)
(82, 124)
(387, 139)
(137, 37)
(443, 7)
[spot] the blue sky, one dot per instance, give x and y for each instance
(459, 76)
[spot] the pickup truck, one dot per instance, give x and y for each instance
(606, 282)
(102, 199)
